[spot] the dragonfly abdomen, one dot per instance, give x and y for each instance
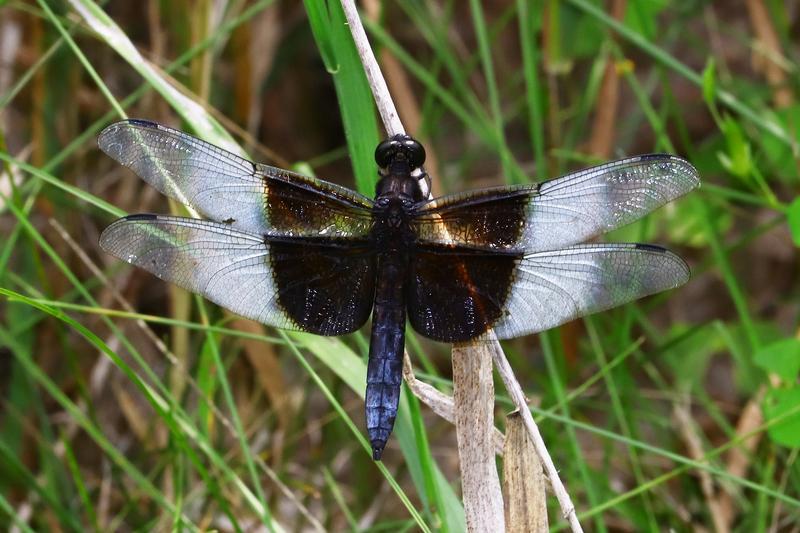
(385, 368)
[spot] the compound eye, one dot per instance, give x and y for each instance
(385, 152)
(415, 151)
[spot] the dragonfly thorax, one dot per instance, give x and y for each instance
(392, 220)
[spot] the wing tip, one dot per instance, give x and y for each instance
(679, 261)
(139, 216)
(138, 122)
(650, 247)
(106, 237)
(687, 170)
(142, 122)
(657, 155)
(113, 147)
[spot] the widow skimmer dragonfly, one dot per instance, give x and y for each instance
(296, 252)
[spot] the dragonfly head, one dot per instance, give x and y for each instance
(399, 150)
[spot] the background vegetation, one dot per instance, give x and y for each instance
(128, 404)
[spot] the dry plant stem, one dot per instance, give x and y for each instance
(392, 124)
(694, 445)
(605, 118)
(518, 397)
(440, 403)
(389, 116)
(473, 393)
(523, 481)
(770, 43)
(399, 84)
(737, 460)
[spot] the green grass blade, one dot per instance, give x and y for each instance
(194, 114)
(356, 105)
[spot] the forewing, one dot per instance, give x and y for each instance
(461, 298)
(557, 213)
(227, 188)
(319, 288)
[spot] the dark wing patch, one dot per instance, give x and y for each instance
(300, 206)
(225, 187)
(455, 294)
(490, 218)
(325, 288)
(560, 212)
(318, 289)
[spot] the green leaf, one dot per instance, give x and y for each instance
(793, 219)
(781, 358)
(775, 151)
(356, 105)
(783, 407)
(302, 167)
(710, 83)
(702, 342)
(579, 36)
(738, 159)
(320, 28)
(207, 382)
(641, 16)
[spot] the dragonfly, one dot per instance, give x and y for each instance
(299, 253)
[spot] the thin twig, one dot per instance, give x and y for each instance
(694, 445)
(518, 397)
(391, 120)
(393, 126)
(377, 83)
